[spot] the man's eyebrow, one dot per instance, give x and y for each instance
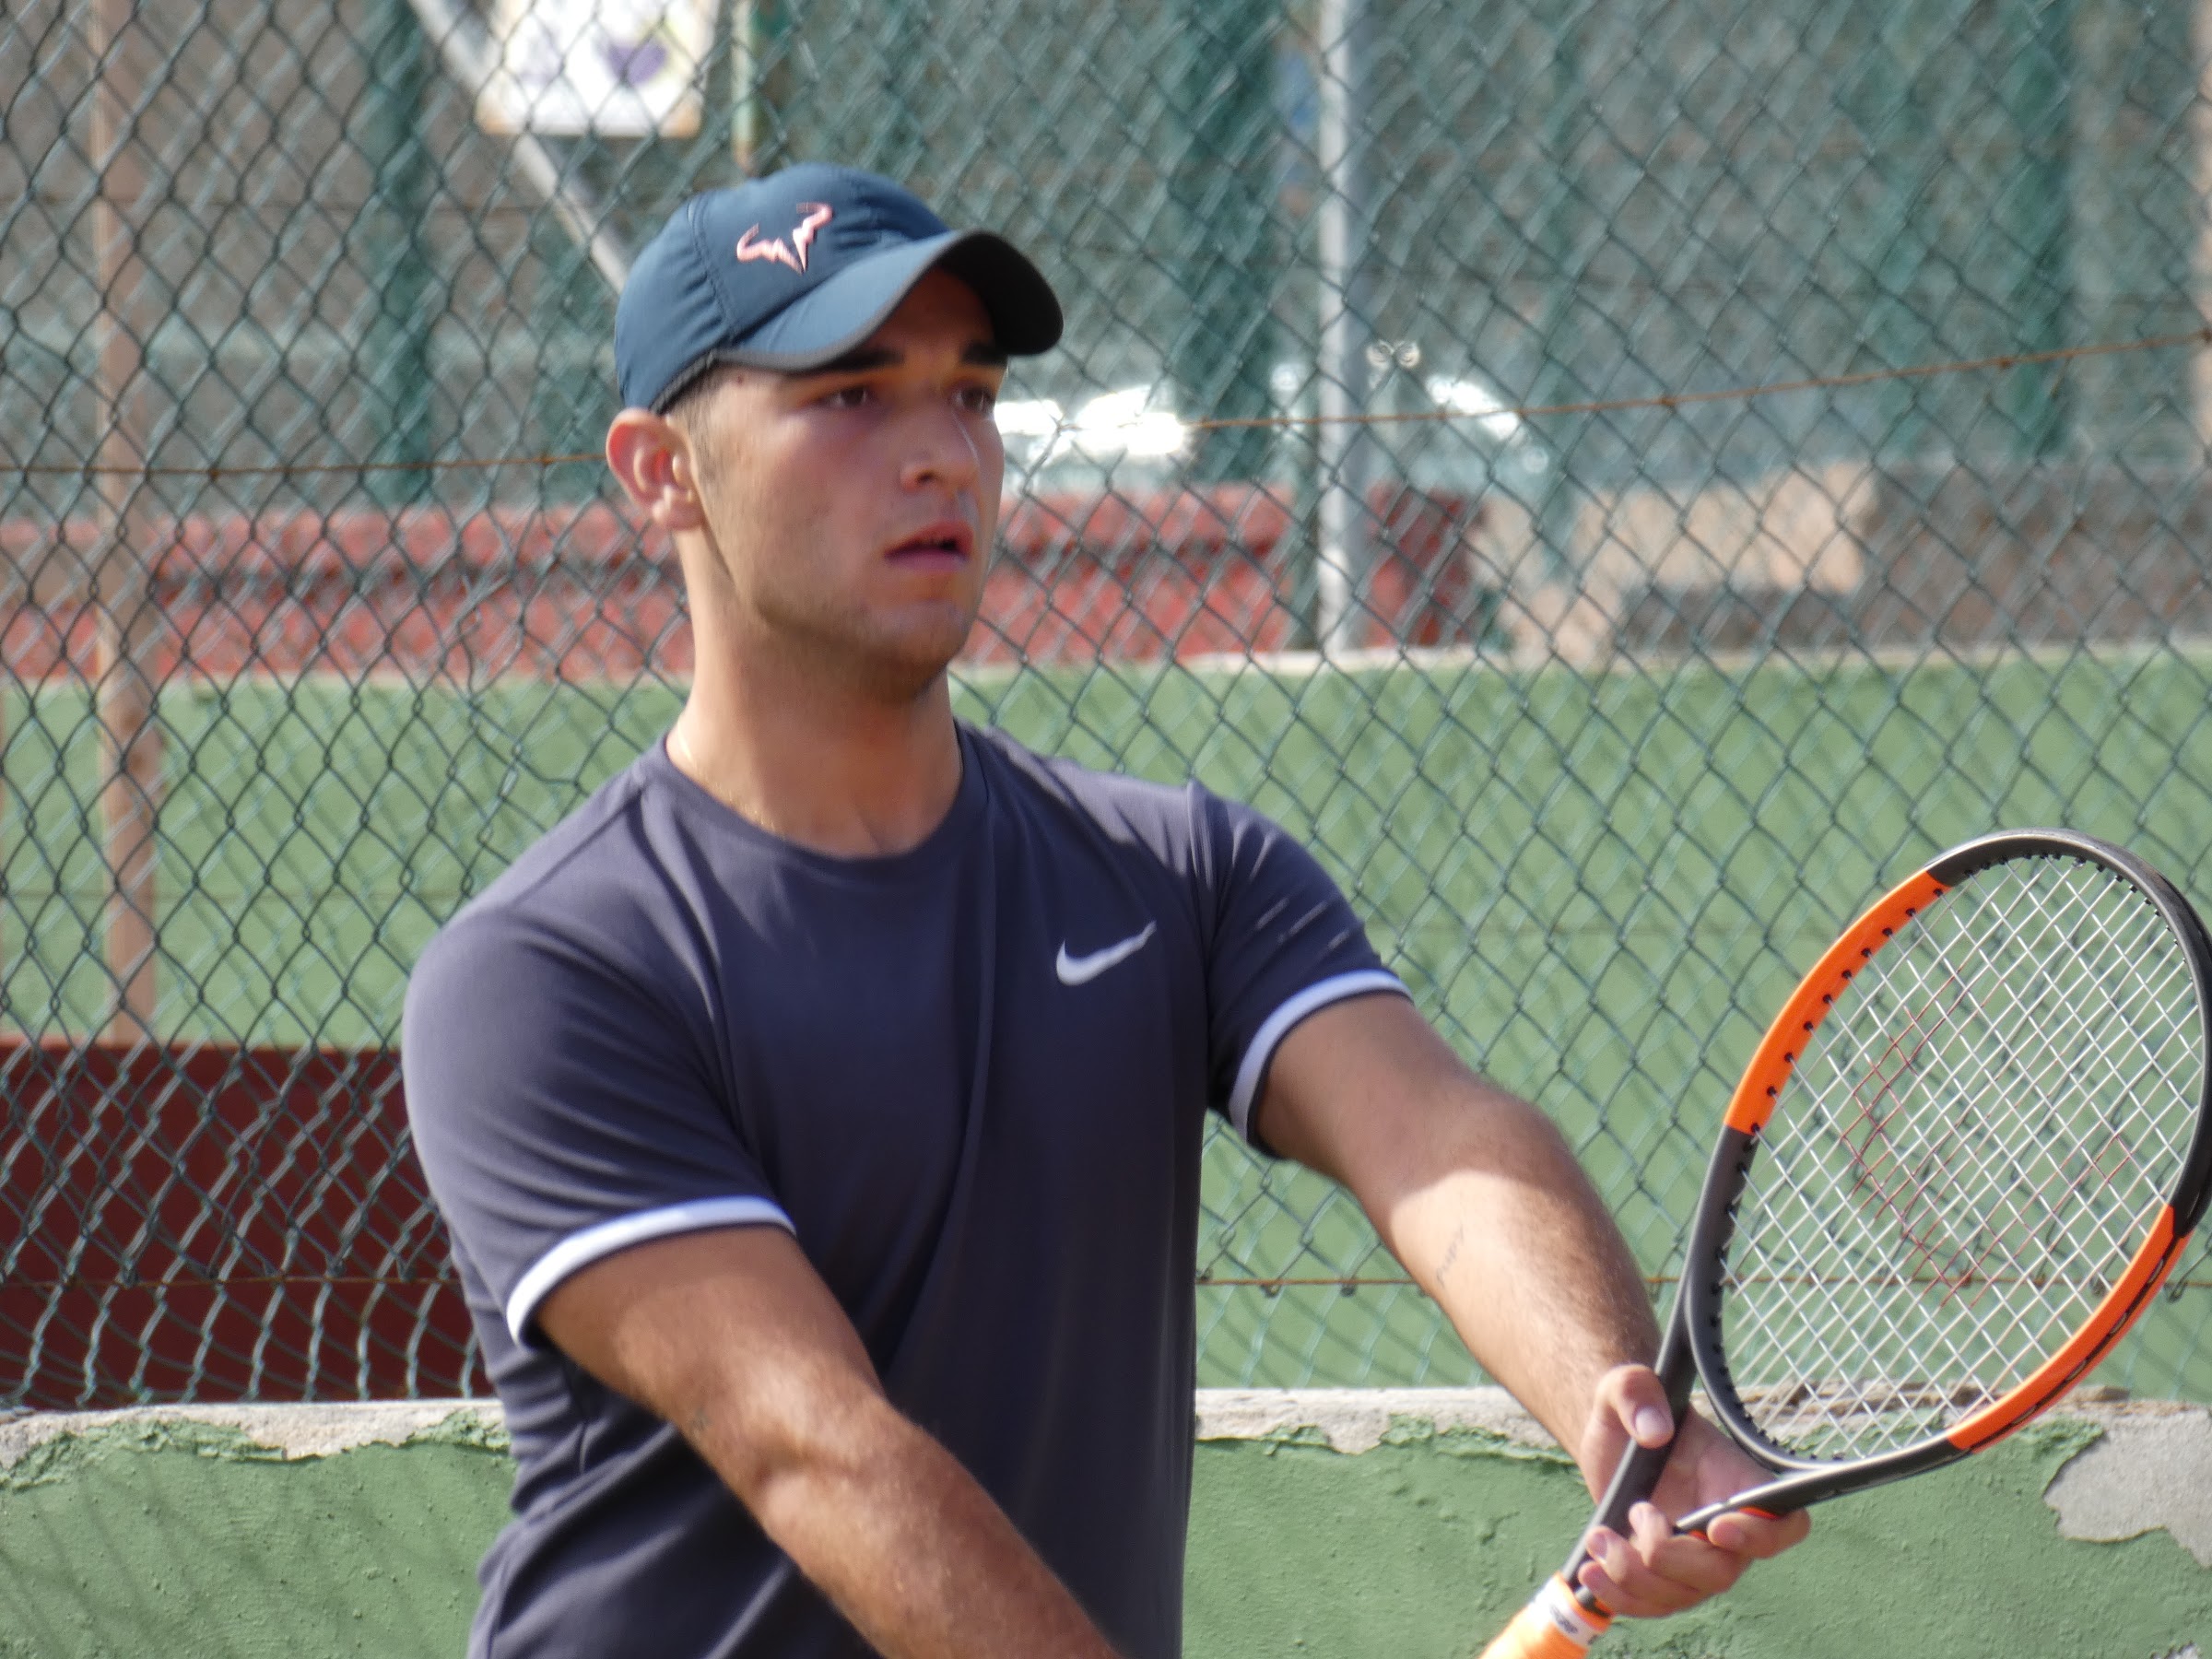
(862, 360)
(858, 360)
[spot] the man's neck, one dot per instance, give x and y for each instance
(858, 780)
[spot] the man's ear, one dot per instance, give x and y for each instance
(652, 460)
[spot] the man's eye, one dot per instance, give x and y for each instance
(978, 400)
(849, 398)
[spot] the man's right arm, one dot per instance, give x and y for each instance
(731, 1335)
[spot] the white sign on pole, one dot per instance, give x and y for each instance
(622, 68)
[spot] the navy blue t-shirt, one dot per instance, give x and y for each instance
(971, 1079)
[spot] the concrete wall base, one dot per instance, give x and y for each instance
(1402, 1523)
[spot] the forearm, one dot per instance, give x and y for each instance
(1481, 1198)
(1476, 1192)
(901, 1538)
(731, 1335)
(1505, 1231)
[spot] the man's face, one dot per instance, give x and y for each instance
(853, 506)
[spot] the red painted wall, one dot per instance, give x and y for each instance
(586, 593)
(214, 1223)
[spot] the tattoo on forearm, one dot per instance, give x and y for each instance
(1443, 1267)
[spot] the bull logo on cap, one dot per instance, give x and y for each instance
(792, 253)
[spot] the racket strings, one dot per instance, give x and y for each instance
(1967, 1154)
(1987, 1073)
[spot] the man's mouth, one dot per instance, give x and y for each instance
(948, 541)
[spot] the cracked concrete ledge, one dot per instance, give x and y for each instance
(2150, 1467)
(1350, 1420)
(1353, 1420)
(289, 1430)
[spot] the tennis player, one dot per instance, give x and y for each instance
(816, 1112)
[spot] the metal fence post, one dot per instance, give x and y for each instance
(763, 78)
(1885, 104)
(1223, 195)
(713, 152)
(2037, 212)
(398, 352)
(1559, 233)
(128, 625)
(1343, 226)
(2200, 130)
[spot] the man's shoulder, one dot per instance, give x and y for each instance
(584, 849)
(1113, 800)
(1184, 824)
(585, 883)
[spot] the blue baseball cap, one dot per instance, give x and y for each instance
(790, 271)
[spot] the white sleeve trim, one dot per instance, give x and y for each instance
(580, 1250)
(1278, 1027)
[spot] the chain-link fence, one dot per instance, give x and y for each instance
(1617, 480)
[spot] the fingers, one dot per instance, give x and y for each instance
(1656, 1570)
(1757, 1537)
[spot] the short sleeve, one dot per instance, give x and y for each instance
(562, 1110)
(1284, 943)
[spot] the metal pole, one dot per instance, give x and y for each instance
(1343, 227)
(2040, 217)
(127, 624)
(745, 83)
(1560, 235)
(468, 60)
(709, 159)
(399, 334)
(1887, 106)
(1226, 261)
(764, 85)
(2200, 126)
(901, 146)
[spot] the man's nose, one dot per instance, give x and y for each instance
(941, 450)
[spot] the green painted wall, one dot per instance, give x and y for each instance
(1421, 1549)
(191, 1542)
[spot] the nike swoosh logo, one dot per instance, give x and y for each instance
(1082, 969)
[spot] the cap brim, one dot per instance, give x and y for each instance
(829, 321)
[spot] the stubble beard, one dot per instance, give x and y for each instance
(841, 651)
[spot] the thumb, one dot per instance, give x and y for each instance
(1640, 1402)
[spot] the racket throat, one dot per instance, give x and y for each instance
(1793, 1492)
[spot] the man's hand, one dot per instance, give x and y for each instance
(1481, 1198)
(1656, 1570)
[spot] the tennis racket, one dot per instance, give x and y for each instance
(1958, 1166)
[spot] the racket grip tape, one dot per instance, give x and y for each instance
(1633, 1479)
(1553, 1626)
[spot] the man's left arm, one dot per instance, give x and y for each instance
(1477, 1193)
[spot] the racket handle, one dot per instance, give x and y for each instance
(1553, 1626)
(1633, 1479)
(1639, 1469)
